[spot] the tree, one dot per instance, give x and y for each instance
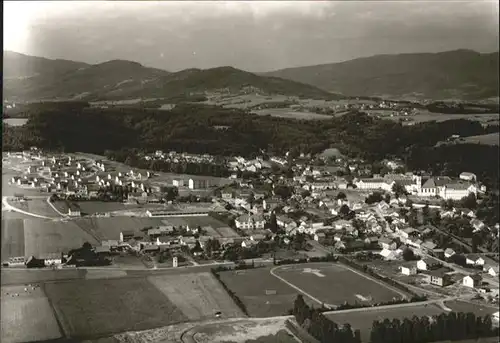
(374, 198)
(398, 189)
(273, 224)
(212, 245)
(469, 201)
(344, 210)
(341, 196)
(408, 255)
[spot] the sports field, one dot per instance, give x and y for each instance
(197, 295)
(363, 319)
(26, 315)
(477, 309)
(335, 284)
(41, 207)
(263, 294)
(100, 307)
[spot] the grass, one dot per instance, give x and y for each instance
(477, 309)
(41, 207)
(12, 238)
(110, 227)
(27, 317)
(47, 236)
(24, 276)
(336, 284)
(488, 139)
(198, 295)
(94, 308)
(363, 319)
(288, 113)
(250, 287)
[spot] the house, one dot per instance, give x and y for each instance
(428, 245)
(414, 242)
(226, 195)
(472, 281)
(387, 244)
(103, 250)
(468, 176)
(371, 241)
(426, 264)
(51, 259)
(477, 224)
(439, 277)
(248, 243)
(408, 269)
(474, 260)
(319, 237)
(271, 204)
(493, 271)
(74, 210)
(198, 184)
(126, 235)
(246, 222)
(408, 232)
(390, 254)
(257, 237)
(448, 252)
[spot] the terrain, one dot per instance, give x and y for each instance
(118, 79)
(459, 74)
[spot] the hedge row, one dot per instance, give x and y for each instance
(237, 300)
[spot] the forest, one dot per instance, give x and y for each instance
(195, 128)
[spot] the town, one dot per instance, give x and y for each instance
(421, 226)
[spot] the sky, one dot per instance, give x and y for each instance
(251, 35)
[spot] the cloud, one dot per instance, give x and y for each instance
(252, 35)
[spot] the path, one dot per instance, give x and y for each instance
(15, 209)
(55, 209)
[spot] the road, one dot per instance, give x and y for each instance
(381, 216)
(9, 207)
(55, 209)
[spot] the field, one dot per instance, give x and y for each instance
(197, 295)
(47, 236)
(41, 207)
(363, 319)
(243, 331)
(27, 317)
(91, 207)
(290, 114)
(110, 227)
(488, 139)
(334, 284)
(478, 310)
(251, 286)
(12, 238)
(423, 116)
(26, 237)
(24, 276)
(102, 307)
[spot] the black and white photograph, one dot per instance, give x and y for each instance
(250, 172)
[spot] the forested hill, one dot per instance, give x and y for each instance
(459, 74)
(119, 80)
(197, 129)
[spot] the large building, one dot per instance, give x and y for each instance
(199, 184)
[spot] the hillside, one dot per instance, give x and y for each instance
(119, 79)
(18, 66)
(459, 74)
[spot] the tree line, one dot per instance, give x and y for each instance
(445, 326)
(192, 128)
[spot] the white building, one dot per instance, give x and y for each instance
(474, 260)
(468, 176)
(408, 270)
(472, 281)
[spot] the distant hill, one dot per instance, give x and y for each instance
(119, 79)
(459, 74)
(16, 65)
